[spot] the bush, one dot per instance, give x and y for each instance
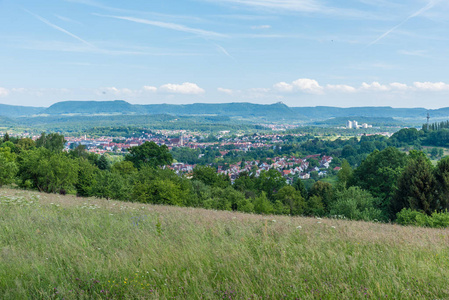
(355, 204)
(262, 205)
(408, 216)
(440, 219)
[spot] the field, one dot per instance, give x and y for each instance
(63, 247)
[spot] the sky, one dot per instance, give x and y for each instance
(301, 52)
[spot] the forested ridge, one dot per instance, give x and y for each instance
(274, 112)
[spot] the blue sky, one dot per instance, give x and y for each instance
(300, 52)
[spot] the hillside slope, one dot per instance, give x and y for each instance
(241, 110)
(13, 111)
(91, 107)
(277, 111)
(73, 248)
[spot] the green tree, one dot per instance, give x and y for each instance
(149, 153)
(270, 182)
(209, 176)
(103, 163)
(406, 135)
(344, 175)
(355, 204)
(53, 141)
(124, 168)
(262, 204)
(416, 186)
(315, 206)
(301, 187)
(6, 137)
(8, 166)
(202, 193)
(25, 144)
(79, 151)
(323, 190)
(434, 153)
(442, 183)
(10, 145)
(87, 180)
(159, 186)
(47, 171)
(218, 200)
(245, 182)
(111, 185)
(379, 174)
(292, 199)
(348, 151)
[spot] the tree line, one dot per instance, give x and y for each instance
(387, 185)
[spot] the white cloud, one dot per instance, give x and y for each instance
(283, 87)
(18, 90)
(399, 86)
(150, 88)
(308, 85)
(225, 91)
(421, 53)
(259, 90)
(3, 92)
(261, 27)
(374, 86)
(431, 86)
(185, 88)
(257, 93)
(116, 91)
(311, 86)
(340, 88)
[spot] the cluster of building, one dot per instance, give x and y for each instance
(289, 167)
(102, 145)
(355, 125)
(279, 127)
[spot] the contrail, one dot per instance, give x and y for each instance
(223, 50)
(425, 8)
(166, 25)
(59, 28)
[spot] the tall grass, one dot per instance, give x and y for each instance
(62, 247)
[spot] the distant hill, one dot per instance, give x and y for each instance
(4, 121)
(91, 108)
(277, 112)
(13, 111)
(439, 113)
(77, 123)
(327, 112)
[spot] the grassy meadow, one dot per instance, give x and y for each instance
(63, 247)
